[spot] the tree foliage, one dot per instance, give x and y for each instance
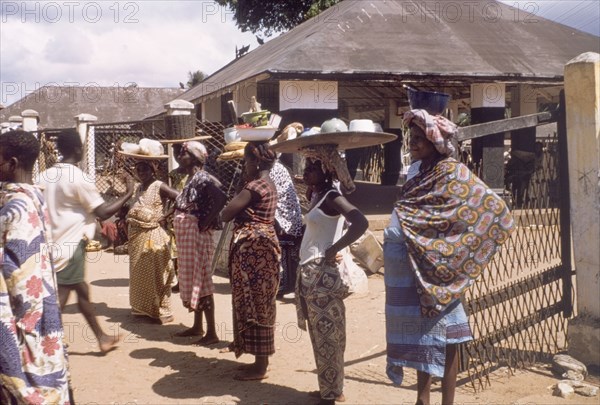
(269, 16)
(194, 78)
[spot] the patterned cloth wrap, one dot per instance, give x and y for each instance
(331, 161)
(439, 130)
(453, 225)
(254, 258)
(33, 356)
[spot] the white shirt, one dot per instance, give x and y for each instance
(71, 198)
(413, 170)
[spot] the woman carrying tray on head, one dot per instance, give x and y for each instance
(320, 289)
(196, 217)
(318, 275)
(254, 259)
(150, 267)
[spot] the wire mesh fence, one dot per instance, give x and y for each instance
(516, 309)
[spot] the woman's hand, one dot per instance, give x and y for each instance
(129, 183)
(332, 256)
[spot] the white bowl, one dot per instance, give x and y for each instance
(231, 135)
(256, 134)
(362, 125)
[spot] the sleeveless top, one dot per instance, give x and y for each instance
(322, 231)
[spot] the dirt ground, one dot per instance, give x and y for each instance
(151, 366)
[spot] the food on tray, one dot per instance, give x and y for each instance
(231, 155)
(234, 146)
(146, 147)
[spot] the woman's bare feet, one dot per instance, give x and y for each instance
(251, 374)
(246, 367)
(256, 371)
(108, 343)
(190, 332)
(207, 340)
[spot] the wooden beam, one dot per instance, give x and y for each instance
(500, 126)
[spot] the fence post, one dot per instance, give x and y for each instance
(86, 132)
(582, 97)
(565, 208)
(31, 119)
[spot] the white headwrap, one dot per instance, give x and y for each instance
(196, 149)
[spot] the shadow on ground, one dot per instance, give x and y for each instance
(188, 376)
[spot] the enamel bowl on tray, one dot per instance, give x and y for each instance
(256, 134)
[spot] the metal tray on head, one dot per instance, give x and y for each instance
(342, 140)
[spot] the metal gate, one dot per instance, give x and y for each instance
(518, 311)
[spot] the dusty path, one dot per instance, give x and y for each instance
(152, 366)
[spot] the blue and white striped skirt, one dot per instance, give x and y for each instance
(413, 340)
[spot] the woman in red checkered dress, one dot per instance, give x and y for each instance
(254, 262)
(196, 217)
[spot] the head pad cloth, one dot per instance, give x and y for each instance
(331, 161)
(439, 130)
(261, 152)
(196, 149)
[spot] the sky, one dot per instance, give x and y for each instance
(151, 43)
(112, 43)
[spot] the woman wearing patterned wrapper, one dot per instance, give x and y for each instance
(445, 228)
(320, 290)
(254, 258)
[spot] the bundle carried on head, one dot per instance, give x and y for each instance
(330, 159)
(145, 147)
(262, 152)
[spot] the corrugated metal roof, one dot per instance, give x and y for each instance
(404, 40)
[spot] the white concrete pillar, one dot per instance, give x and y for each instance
(582, 102)
(15, 121)
(86, 132)
(488, 103)
(179, 107)
(524, 100)
(31, 119)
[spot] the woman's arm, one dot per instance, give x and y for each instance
(168, 192)
(358, 225)
(237, 205)
(219, 199)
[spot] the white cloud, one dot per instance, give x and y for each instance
(152, 43)
(67, 47)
